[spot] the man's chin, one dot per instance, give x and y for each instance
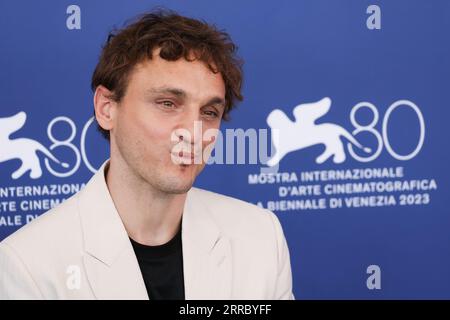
(179, 180)
(176, 184)
(176, 189)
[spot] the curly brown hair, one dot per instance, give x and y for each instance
(178, 37)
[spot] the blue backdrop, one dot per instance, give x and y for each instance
(375, 225)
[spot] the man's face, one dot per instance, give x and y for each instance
(154, 122)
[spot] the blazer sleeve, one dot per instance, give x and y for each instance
(283, 289)
(16, 282)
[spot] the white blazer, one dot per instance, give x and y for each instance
(81, 250)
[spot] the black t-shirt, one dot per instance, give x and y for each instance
(162, 268)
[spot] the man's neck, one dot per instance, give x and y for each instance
(150, 216)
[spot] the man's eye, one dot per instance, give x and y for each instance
(211, 114)
(167, 104)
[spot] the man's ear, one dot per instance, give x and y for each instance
(104, 107)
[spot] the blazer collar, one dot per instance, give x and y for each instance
(111, 265)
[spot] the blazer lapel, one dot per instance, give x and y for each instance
(207, 255)
(110, 263)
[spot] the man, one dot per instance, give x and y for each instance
(138, 229)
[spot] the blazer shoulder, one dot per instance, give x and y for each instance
(233, 206)
(236, 215)
(50, 230)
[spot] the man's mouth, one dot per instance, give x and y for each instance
(185, 157)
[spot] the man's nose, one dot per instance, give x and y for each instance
(189, 130)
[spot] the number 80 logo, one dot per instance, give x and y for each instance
(68, 143)
(383, 138)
